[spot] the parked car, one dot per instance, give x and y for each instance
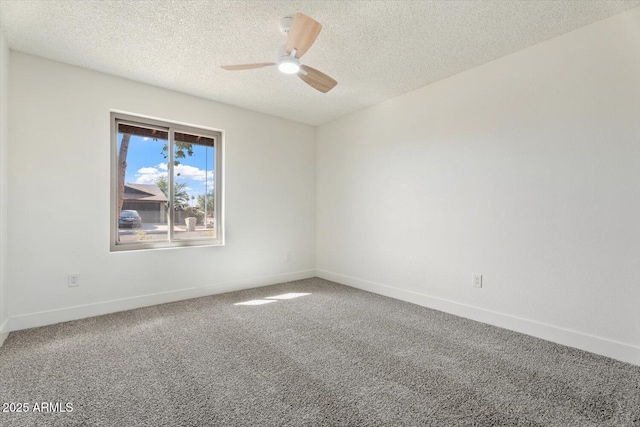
(130, 219)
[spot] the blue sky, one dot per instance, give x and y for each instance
(145, 164)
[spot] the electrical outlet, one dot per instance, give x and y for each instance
(476, 280)
(73, 279)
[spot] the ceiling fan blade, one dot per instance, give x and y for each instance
(302, 34)
(316, 79)
(247, 66)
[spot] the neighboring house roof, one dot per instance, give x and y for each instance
(144, 193)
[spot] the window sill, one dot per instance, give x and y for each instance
(164, 245)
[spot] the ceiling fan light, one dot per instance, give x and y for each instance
(289, 65)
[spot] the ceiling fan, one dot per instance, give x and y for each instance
(301, 32)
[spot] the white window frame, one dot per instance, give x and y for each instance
(171, 127)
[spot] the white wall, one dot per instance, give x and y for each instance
(526, 170)
(59, 169)
(4, 140)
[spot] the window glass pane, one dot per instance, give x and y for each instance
(194, 192)
(142, 184)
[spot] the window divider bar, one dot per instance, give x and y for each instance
(170, 160)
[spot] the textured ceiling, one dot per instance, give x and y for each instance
(375, 49)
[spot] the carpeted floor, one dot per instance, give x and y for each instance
(336, 357)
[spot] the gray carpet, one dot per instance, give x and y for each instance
(337, 357)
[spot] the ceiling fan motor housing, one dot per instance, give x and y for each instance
(289, 64)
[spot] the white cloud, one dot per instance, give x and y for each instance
(148, 175)
(147, 170)
(191, 172)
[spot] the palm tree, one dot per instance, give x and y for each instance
(210, 202)
(180, 195)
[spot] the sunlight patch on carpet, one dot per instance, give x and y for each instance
(290, 295)
(255, 302)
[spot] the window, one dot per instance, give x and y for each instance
(166, 186)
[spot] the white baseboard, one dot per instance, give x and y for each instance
(4, 331)
(51, 317)
(613, 349)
